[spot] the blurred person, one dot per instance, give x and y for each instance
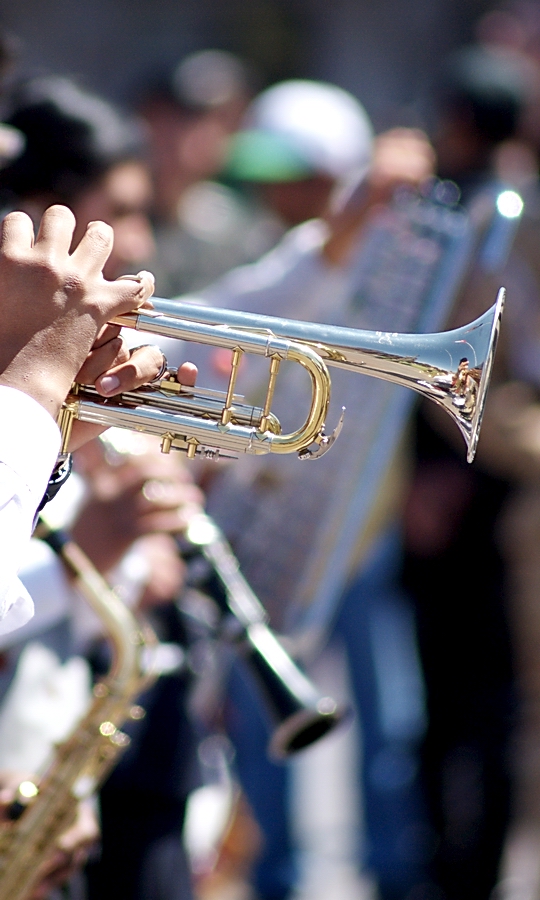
(202, 225)
(80, 151)
(453, 513)
(305, 147)
(486, 93)
(299, 140)
(515, 27)
(77, 149)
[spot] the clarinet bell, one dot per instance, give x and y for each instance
(300, 715)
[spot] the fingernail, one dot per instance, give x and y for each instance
(129, 278)
(145, 274)
(109, 383)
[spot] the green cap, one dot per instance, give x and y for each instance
(259, 155)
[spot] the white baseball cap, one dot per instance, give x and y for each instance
(298, 128)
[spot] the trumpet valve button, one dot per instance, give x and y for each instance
(166, 443)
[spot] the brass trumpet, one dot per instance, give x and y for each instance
(451, 368)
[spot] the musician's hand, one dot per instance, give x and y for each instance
(143, 494)
(70, 853)
(401, 156)
(54, 302)
(113, 368)
(165, 570)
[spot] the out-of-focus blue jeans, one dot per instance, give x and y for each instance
(375, 626)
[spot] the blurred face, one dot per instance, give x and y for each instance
(122, 199)
(190, 146)
(297, 201)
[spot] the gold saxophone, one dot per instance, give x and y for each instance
(43, 812)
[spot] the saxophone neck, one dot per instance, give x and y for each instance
(127, 636)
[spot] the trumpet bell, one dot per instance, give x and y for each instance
(469, 422)
(452, 368)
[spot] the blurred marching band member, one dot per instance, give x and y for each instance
(303, 142)
(451, 508)
(123, 188)
(202, 226)
(512, 31)
(79, 151)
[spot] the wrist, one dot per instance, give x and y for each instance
(49, 396)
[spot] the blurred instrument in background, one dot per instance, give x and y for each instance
(43, 811)
(412, 263)
(299, 713)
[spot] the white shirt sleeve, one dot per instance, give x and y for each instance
(29, 446)
(43, 576)
(292, 276)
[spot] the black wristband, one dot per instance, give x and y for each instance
(60, 475)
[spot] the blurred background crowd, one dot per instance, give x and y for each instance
(274, 136)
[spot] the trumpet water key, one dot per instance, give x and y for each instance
(451, 368)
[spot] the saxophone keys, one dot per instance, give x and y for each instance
(107, 729)
(116, 737)
(26, 792)
(120, 739)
